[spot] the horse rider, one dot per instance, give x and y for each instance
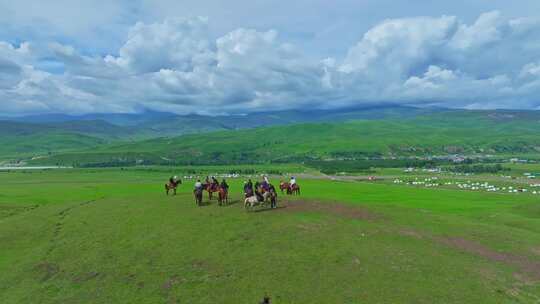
(259, 195)
(224, 185)
(266, 184)
(292, 183)
(215, 183)
(173, 181)
(248, 189)
(198, 185)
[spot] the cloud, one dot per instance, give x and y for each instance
(177, 66)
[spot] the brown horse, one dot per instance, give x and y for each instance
(223, 196)
(211, 188)
(284, 186)
(172, 186)
(294, 190)
(291, 189)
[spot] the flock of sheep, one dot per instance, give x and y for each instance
(431, 182)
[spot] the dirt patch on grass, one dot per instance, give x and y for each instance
(529, 268)
(310, 227)
(47, 270)
(411, 233)
(170, 283)
(81, 278)
(332, 208)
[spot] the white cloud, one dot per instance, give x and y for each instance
(176, 65)
(485, 30)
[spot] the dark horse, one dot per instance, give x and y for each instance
(172, 185)
(273, 197)
(198, 193)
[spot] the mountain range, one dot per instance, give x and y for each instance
(286, 136)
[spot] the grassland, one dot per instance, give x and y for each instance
(112, 236)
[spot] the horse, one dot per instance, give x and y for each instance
(198, 193)
(253, 201)
(172, 186)
(223, 196)
(211, 188)
(283, 186)
(261, 198)
(294, 190)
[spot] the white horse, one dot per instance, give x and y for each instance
(253, 201)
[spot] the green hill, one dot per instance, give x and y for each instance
(441, 133)
(21, 140)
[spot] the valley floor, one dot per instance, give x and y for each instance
(112, 236)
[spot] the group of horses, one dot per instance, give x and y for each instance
(260, 196)
(211, 188)
(291, 189)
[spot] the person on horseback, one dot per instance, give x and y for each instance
(198, 185)
(215, 183)
(259, 195)
(266, 184)
(293, 181)
(224, 185)
(173, 181)
(248, 189)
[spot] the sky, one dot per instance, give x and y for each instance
(230, 57)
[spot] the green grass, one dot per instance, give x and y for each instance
(111, 236)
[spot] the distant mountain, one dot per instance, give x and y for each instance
(120, 119)
(433, 134)
(187, 124)
(29, 136)
(156, 124)
(98, 128)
